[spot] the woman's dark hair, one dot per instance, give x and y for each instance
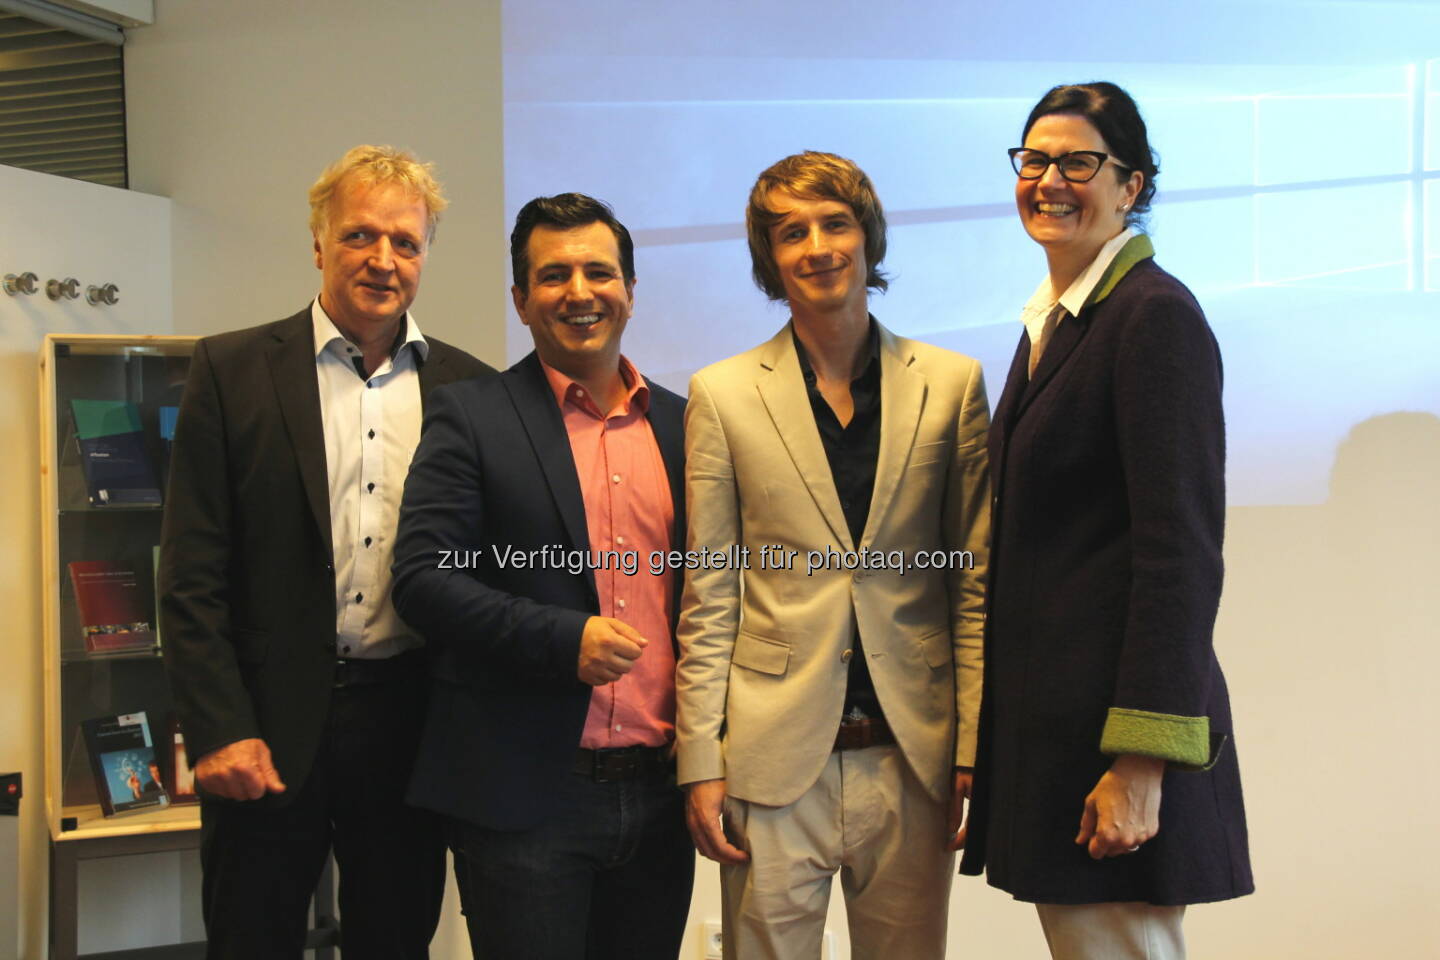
(1113, 113)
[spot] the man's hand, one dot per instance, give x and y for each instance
(704, 801)
(608, 650)
(1123, 811)
(239, 771)
(959, 824)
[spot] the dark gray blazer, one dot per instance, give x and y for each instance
(247, 574)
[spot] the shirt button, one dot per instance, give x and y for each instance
(615, 477)
(845, 657)
(372, 434)
(369, 488)
(359, 597)
(620, 604)
(345, 649)
(367, 541)
(620, 541)
(617, 728)
(579, 391)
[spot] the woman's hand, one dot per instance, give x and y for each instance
(1123, 811)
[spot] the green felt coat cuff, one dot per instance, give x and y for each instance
(1184, 741)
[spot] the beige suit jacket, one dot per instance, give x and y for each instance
(765, 652)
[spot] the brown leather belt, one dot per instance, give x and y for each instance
(859, 734)
(622, 763)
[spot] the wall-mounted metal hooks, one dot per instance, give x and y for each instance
(69, 288)
(18, 283)
(108, 294)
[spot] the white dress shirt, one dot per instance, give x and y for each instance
(1040, 308)
(371, 429)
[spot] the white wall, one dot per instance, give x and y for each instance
(55, 228)
(233, 110)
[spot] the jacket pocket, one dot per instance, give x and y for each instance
(924, 453)
(936, 648)
(761, 655)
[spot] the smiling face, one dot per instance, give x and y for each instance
(1072, 221)
(578, 301)
(819, 250)
(370, 253)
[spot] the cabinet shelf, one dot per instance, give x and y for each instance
(103, 400)
(90, 821)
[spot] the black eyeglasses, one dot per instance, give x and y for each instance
(1077, 166)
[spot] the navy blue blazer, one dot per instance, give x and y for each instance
(494, 470)
(1109, 468)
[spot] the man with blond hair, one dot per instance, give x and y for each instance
(828, 693)
(299, 690)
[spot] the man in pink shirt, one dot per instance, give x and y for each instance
(531, 553)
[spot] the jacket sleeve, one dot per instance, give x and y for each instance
(966, 519)
(443, 513)
(1171, 434)
(710, 609)
(201, 662)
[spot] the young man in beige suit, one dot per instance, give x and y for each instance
(828, 689)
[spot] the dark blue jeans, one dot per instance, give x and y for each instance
(608, 877)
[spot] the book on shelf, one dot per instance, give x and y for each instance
(112, 453)
(113, 614)
(125, 764)
(169, 416)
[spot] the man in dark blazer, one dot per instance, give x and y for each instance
(531, 554)
(298, 688)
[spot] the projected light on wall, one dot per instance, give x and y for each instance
(1298, 194)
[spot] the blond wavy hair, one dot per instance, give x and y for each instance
(373, 165)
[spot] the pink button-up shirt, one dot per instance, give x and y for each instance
(628, 510)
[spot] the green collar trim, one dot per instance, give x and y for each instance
(1137, 248)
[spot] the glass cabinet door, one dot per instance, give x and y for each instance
(109, 406)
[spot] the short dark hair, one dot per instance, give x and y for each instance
(565, 211)
(813, 176)
(1113, 113)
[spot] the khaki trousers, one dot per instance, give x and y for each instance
(1113, 931)
(869, 819)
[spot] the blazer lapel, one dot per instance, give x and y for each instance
(433, 373)
(1067, 336)
(782, 389)
(670, 438)
(902, 398)
(292, 369)
(1073, 329)
(541, 417)
(1009, 402)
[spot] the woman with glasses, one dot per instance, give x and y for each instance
(1107, 788)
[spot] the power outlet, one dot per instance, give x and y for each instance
(710, 940)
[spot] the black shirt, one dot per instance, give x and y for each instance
(853, 451)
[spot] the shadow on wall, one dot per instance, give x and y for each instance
(1328, 634)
